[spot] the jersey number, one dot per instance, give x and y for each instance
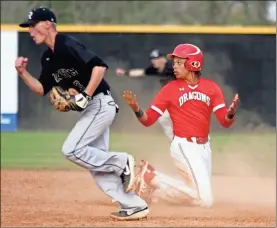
(79, 85)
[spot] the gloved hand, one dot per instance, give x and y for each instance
(66, 100)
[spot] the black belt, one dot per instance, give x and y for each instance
(105, 92)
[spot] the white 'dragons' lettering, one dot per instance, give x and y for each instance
(198, 96)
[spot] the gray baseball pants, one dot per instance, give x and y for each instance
(87, 145)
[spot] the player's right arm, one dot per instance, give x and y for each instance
(136, 72)
(156, 109)
(40, 86)
(34, 84)
(130, 73)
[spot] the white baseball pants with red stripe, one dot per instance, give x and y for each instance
(166, 124)
(193, 162)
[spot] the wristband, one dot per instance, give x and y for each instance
(86, 96)
(139, 113)
(230, 116)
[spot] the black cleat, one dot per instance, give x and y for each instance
(128, 176)
(125, 216)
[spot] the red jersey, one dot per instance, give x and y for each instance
(190, 106)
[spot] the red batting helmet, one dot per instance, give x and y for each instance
(190, 52)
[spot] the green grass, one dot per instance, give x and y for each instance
(42, 150)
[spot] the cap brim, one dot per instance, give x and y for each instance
(170, 56)
(156, 57)
(27, 24)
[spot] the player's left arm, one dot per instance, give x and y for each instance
(91, 62)
(155, 110)
(224, 115)
(96, 77)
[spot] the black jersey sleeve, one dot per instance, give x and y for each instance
(84, 55)
(46, 78)
(169, 70)
(150, 70)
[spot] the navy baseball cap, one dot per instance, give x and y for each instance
(156, 54)
(39, 14)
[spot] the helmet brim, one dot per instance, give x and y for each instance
(172, 55)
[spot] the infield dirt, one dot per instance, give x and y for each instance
(70, 198)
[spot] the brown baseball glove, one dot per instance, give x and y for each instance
(64, 100)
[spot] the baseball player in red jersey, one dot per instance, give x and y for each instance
(190, 100)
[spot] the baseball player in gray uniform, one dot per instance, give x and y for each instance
(66, 64)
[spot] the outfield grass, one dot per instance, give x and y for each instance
(41, 150)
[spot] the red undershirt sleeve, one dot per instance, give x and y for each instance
(219, 107)
(220, 115)
(157, 108)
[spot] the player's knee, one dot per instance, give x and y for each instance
(67, 150)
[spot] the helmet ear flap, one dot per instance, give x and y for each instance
(187, 64)
(192, 65)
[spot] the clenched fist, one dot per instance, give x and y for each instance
(130, 99)
(21, 64)
(120, 72)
